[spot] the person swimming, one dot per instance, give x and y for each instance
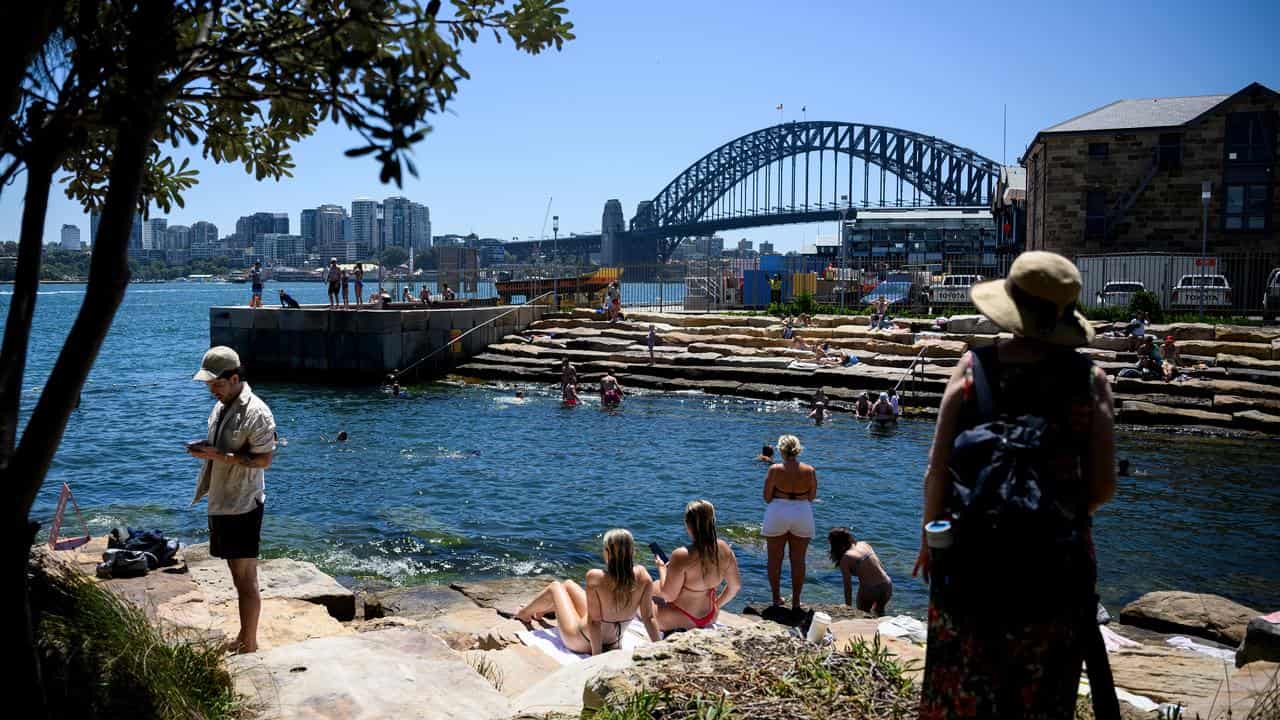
(568, 383)
(766, 454)
(818, 414)
(882, 411)
(862, 408)
(610, 390)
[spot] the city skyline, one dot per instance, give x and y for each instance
(522, 132)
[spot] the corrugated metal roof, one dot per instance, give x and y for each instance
(1148, 112)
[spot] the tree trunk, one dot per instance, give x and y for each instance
(15, 535)
(21, 479)
(17, 330)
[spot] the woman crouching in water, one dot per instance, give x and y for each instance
(593, 620)
(690, 582)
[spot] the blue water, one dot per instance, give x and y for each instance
(462, 481)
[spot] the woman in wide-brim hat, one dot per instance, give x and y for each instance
(976, 664)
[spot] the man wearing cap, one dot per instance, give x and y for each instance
(239, 446)
(334, 277)
(255, 277)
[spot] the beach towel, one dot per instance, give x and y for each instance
(803, 365)
(903, 626)
(1187, 643)
(548, 641)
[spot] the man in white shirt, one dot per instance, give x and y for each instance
(237, 450)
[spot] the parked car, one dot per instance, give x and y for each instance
(954, 289)
(1214, 289)
(1119, 293)
(1271, 296)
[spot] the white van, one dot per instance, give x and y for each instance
(954, 289)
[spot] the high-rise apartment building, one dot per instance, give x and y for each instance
(419, 230)
(329, 230)
(153, 231)
(281, 249)
(308, 228)
(250, 228)
(364, 225)
(177, 237)
(70, 237)
(395, 222)
(135, 232)
(766, 248)
(204, 240)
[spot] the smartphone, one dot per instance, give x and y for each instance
(196, 443)
(658, 551)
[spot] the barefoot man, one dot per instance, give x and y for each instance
(241, 439)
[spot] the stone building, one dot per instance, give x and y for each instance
(1127, 177)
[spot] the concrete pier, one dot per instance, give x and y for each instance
(316, 343)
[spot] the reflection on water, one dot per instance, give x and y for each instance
(466, 481)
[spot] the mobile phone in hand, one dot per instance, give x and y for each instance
(658, 551)
(191, 444)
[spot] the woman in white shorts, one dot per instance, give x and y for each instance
(789, 489)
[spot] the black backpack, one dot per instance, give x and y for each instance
(1020, 548)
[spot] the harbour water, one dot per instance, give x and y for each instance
(464, 481)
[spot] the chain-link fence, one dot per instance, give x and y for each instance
(1228, 285)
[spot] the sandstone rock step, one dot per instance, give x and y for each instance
(382, 674)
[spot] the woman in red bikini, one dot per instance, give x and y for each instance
(690, 582)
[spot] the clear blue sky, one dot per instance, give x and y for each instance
(648, 88)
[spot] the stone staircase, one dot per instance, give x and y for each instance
(1235, 383)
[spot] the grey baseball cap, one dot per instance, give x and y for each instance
(218, 360)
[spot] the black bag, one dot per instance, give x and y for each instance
(1019, 550)
(118, 563)
(159, 549)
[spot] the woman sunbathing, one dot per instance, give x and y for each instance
(690, 583)
(592, 620)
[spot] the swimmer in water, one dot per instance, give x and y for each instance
(519, 394)
(610, 390)
(818, 414)
(342, 436)
(766, 455)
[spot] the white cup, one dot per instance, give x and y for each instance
(818, 627)
(938, 534)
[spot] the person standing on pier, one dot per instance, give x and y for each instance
(346, 288)
(255, 278)
(358, 275)
(653, 339)
(236, 453)
(334, 277)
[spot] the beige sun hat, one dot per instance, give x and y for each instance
(1037, 301)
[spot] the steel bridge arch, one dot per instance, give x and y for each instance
(948, 174)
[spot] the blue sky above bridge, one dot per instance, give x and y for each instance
(647, 88)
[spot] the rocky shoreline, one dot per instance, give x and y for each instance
(1233, 386)
(452, 652)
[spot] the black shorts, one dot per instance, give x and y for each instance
(236, 537)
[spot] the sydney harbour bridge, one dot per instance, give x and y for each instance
(796, 172)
